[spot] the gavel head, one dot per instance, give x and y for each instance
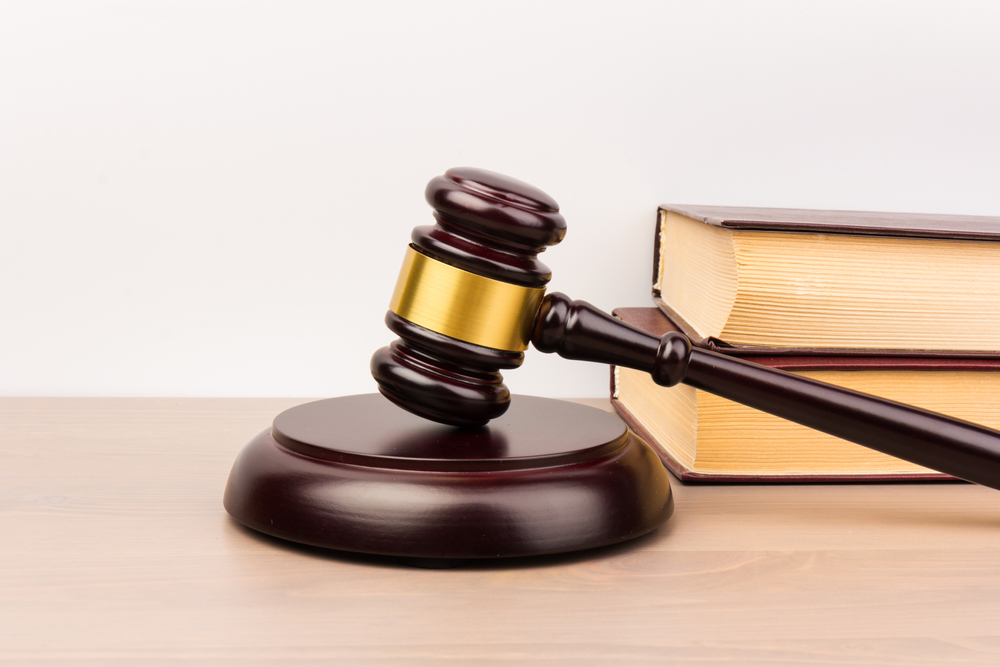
(467, 296)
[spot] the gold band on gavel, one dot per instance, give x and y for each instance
(464, 305)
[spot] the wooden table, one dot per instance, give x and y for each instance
(116, 550)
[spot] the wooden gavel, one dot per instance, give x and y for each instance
(470, 297)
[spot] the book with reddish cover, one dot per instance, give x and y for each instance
(858, 223)
(655, 322)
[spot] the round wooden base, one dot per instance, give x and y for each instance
(358, 474)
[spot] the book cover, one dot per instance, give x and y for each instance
(957, 292)
(914, 225)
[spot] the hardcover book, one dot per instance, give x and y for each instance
(795, 282)
(702, 437)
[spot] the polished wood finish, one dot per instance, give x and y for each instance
(358, 474)
(440, 378)
(578, 330)
(116, 550)
(491, 225)
(453, 382)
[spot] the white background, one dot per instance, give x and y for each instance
(213, 198)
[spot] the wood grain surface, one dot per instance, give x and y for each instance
(115, 549)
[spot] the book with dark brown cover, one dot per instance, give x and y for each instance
(655, 322)
(916, 225)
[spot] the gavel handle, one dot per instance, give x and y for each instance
(578, 330)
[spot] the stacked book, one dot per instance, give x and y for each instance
(902, 306)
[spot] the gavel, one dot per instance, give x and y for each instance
(471, 296)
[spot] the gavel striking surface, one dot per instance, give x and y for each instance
(493, 226)
(358, 474)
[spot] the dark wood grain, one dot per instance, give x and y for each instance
(491, 224)
(578, 330)
(496, 225)
(485, 223)
(939, 442)
(440, 378)
(357, 474)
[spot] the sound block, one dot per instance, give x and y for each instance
(359, 474)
